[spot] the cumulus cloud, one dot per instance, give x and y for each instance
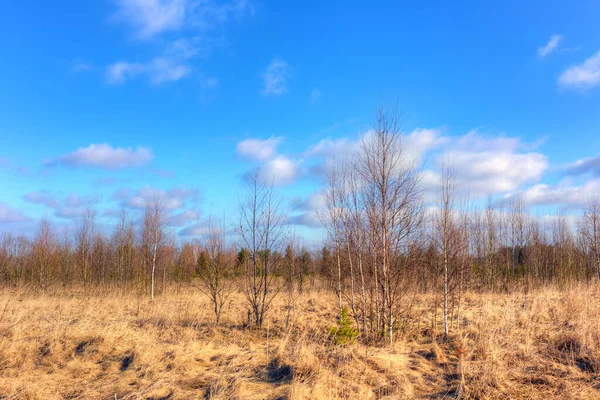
(420, 141)
(331, 147)
(483, 164)
(280, 170)
(170, 199)
(552, 45)
(274, 78)
(105, 156)
(585, 165)
(565, 193)
(258, 149)
(582, 76)
(71, 206)
(274, 168)
(10, 214)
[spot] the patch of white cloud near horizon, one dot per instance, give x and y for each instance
(582, 76)
(10, 214)
(258, 149)
(551, 46)
(170, 199)
(482, 165)
(274, 78)
(563, 194)
(105, 156)
(72, 206)
(492, 165)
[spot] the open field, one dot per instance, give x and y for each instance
(543, 344)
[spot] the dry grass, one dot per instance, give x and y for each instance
(538, 345)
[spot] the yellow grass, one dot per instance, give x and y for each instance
(544, 344)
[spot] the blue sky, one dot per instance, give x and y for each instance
(104, 102)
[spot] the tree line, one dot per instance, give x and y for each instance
(385, 242)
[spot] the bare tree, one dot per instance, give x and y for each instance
(44, 252)
(261, 231)
(153, 234)
(84, 238)
(446, 230)
(392, 196)
(331, 220)
(589, 229)
(215, 270)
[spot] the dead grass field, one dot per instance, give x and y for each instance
(544, 344)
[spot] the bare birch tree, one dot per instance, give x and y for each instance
(261, 231)
(153, 234)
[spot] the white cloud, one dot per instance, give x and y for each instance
(44, 198)
(171, 199)
(583, 76)
(482, 164)
(119, 72)
(274, 78)
(280, 170)
(158, 70)
(550, 46)
(105, 156)
(258, 149)
(9, 214)
(162, 69)
(188, 24)
(420, 141)
(331, 147)
(564, 193)
(152, 17)
(72, 206)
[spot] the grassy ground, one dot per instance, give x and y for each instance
(544, 344)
